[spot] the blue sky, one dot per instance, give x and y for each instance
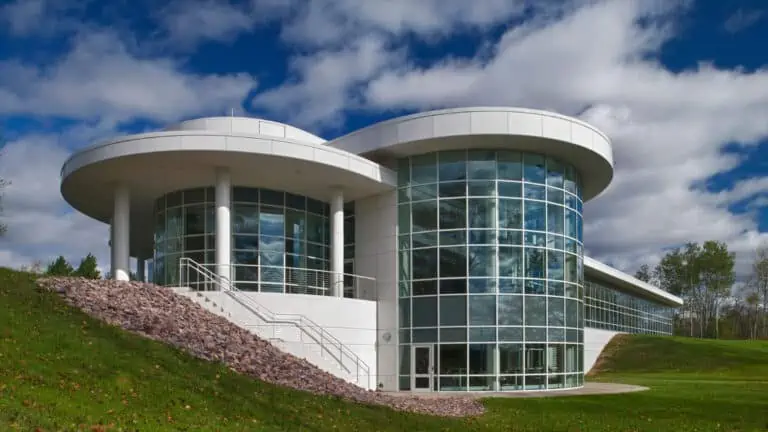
(680, 86)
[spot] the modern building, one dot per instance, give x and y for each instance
(440, 251)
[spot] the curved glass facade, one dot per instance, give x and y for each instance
(280, 241)
(491, 273)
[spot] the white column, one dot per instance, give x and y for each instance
(337, 243)
(121, 220)
(140, 269)
(223, 223)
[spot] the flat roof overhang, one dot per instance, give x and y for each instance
(154, 164)
(596, 270)
(567, 139)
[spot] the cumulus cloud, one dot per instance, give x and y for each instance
(326, 82)
(40, 224)
(599, 60)
(742, 19)
(100, 77)
(596, 59)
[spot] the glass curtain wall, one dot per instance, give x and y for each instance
(490, 279)
(609, 309)
(280, 241)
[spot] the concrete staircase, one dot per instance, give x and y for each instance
(285, 332)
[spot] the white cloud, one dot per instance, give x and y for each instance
(669, 129)
(326, 82)
(742, 19)
(101, 78)
(323, 22)
(23, 18)
(40, 225)
(189, 23)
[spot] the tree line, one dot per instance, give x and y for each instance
(716, 304)
(88, 268)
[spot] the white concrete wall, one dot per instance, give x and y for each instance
(351, 321)
(376, 256)
(595, 341)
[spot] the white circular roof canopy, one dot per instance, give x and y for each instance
(567, 139)
(266, 154)
(258, 153)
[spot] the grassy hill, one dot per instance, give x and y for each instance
(61, 370)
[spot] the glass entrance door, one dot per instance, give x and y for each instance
(422, 364)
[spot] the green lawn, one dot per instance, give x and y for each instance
(61, 370)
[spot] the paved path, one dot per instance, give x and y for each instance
(590, 388)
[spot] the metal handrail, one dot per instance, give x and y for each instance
(301, 322)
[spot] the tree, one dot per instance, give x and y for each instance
(88, 268)
(703, 275)
(59, 267)
(644, 273)
(757, 286)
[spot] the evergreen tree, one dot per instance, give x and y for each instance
(88, 268)
(59, 267)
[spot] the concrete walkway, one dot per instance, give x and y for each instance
(590, 388)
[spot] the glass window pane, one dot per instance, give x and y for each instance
(510, 165)
(482, 359)
(534, 168)
(424, 216)
(424, 311)
(424, 192)
(481, 165)
(555, 265)
(510, 310)
(194, 219)
(510, 358)
(404, 172)
(453, 189)
(534, 263)
(453, 310)
(482, 212)
(453, 214)
(403, 219)
(534, 216)
(535, 311)
(556, 311)
(246, 219)
(481, 188)
(534, 191)
(453, 165)
(482, 310)
(424, 263)
(453, 359)
(555, 173)
(510, 214)
(424, 169)
(555, 219)
(482, 261)
(404, 312)
(510, 189)
(510, 262)
(453, 262)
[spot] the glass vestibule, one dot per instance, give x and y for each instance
(280, 241)
(491, 269)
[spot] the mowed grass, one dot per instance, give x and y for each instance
(61, 370)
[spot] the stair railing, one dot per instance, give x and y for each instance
(189, 269)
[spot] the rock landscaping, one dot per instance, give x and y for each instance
(160, 314)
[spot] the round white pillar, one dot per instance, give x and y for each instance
(337, 243)
(223, 223)
(121, 220)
